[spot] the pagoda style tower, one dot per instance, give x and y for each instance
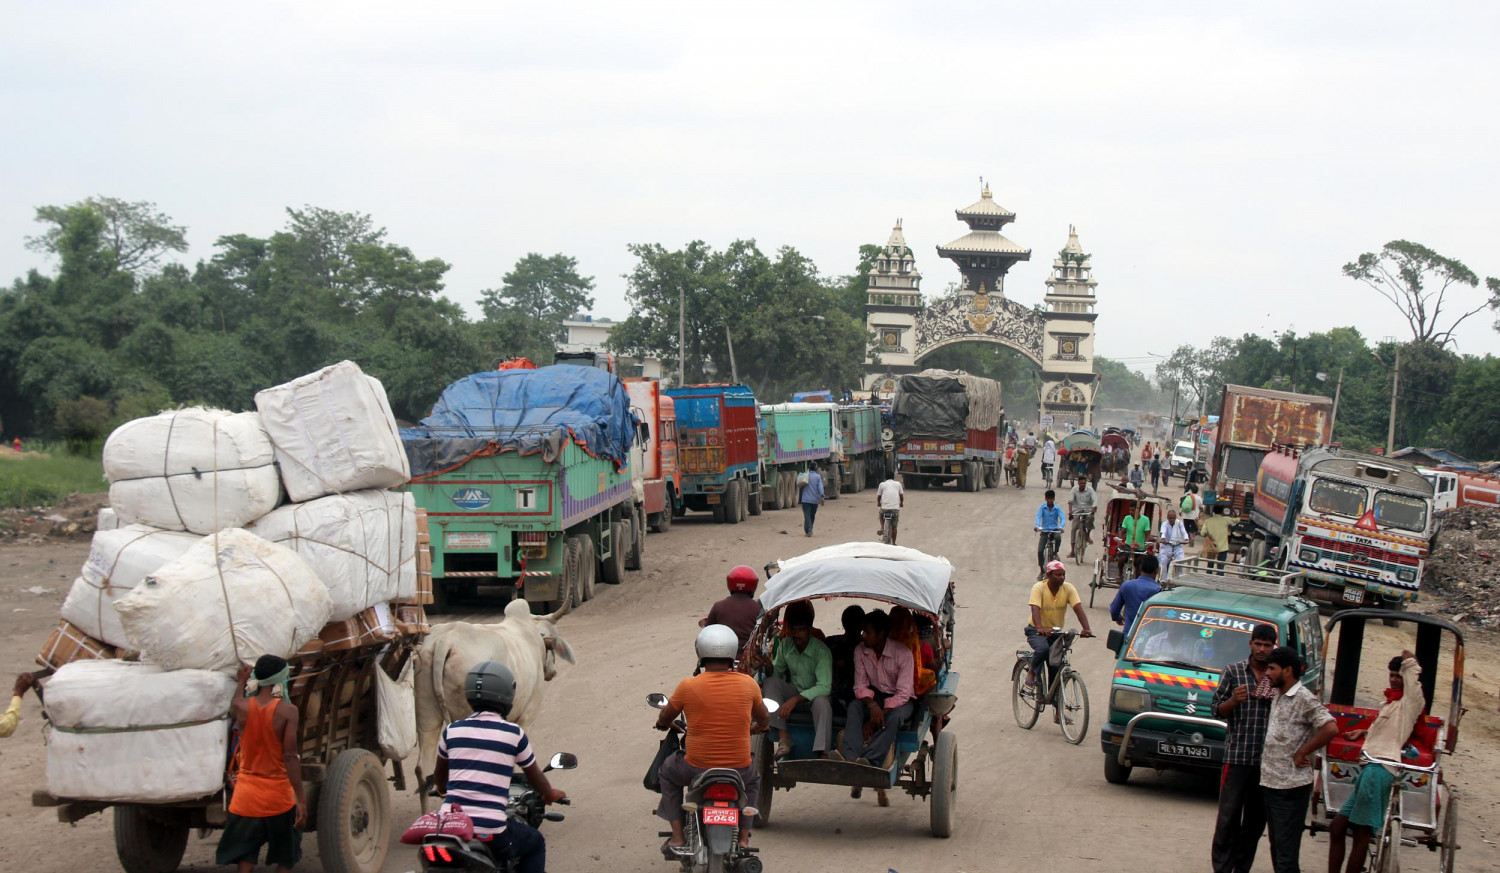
(1068, 381)
(892, 307)
(983, 256)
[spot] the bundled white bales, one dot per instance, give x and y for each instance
(192, 469)
(107, 520)
(228, 600)
(334, 432)
(362, 544)
(125, 731)
(118, 561)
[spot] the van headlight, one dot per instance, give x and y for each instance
(1130, 700)
(1308, 556)
(1407, 575)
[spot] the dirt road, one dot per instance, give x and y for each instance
(1024, 796)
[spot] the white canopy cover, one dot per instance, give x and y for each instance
(894, 573)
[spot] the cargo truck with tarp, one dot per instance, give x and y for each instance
(526, 478)
(862, 457)
(947, 429)
(718, 450)
(1251, 421)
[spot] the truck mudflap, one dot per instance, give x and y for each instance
(1133, 745)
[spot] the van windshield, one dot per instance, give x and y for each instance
(1337, 498)
(1183, 450)
(1205, 639)
(1401, 510)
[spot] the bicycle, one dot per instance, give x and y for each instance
(888, 526)
(1046, 475)
(1058, 682)
(1051, 546)
(1081, 535)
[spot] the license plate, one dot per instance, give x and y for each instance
(1179, 750)
(463, 540)
(713, 498)
(721, 815)
(1354, 595)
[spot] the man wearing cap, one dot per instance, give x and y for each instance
(266, 806)
(1049, 603)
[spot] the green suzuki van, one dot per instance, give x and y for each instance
(1169, 661)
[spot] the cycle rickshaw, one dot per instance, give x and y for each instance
(1080, 455)
(1118, 558)
(1423, 807)
(925, 760)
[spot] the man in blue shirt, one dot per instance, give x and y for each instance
(1133, 593)
(1049, 522)
(812, 498)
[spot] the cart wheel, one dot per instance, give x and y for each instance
(149, 840)
(944, 783)
(1448, 847)
(765, 755)
(635, 554)
(1115, 773)
(613, 568)
(1023, 699)
(354, 814)
(1074, 706)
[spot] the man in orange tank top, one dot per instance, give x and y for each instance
(266, 803)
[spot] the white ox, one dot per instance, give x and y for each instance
(528, 644)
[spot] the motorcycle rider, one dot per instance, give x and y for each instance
(740, 610)
(723, 708)
(476, 757)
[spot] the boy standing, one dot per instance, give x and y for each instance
(266, 806)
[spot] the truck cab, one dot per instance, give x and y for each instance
(1170, 660)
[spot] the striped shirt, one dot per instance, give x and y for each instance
(483, 752)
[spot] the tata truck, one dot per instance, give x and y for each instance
(1251, 421)
(718, 450)
(1356, 525)
(527, 480)
(656, 456)
(947, 429)
(862, 456)
(794, 437)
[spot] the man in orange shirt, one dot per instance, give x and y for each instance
(723, 709)
(266, 804)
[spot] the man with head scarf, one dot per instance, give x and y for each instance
(266, 805)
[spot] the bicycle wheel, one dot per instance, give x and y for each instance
(1080, 542)
(1024, 700)
(1074, 707)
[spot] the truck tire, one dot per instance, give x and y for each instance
(757, 501)
(788, 489)
(575, 587)
(565, 582)
(741, 500)
(718, 510)
(612, 568)
(858, 479)
(149, 840)
(635, 554)
(731, 502)
(354, 814)
(833, 482)
(588, 568)
(771, 488)
(978, 476)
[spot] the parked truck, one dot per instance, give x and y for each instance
(947, 429)
(527, 481)
(718, 450)
(1251, 421)
(1453, 487)
(862, 456)
(1358, 526)
(795, 436)
(656, 456)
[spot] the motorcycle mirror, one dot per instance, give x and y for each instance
(771, 705)
(563, 761)
(656, 700)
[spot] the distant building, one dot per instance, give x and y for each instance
(585, 333)
(1432, 457)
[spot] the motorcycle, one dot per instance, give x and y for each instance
(716, 803)
(450, 852)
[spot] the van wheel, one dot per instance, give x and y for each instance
(1115, 773)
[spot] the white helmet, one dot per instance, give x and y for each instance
(717, 641)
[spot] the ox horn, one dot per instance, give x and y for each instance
(561, 611)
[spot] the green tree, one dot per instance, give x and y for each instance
(1472, 407)
(545, 289)
(1417, 281)
(135, 235)
(1123, 388)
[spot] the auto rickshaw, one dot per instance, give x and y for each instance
(925, 759)
(1119, 559)
(1423, 808)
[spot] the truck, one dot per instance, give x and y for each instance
(947, 429)
(1453, 487)
(862, 456)
(656, 456)
(527, 481)
(794, 436)
(1251, 421)
(1357, 526)
(718, 450)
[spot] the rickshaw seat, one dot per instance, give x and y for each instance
(1424, 738)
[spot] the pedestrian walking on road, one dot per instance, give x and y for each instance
(812, 498)
(1155, 473)
(1243, 701)
(1136, 479)
(267, 807)
(1299, 726)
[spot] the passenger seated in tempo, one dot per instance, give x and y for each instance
(842, 646)
(801, 674)
(884, 675)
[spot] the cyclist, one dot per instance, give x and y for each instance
(1049, 460)
(889, 497)
(1049, 523)
(1081, 504)
(1050, 600)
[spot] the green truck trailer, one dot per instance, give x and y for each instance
(794, 436)
(527, 483)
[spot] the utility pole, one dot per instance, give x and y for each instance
(1390, 431)
(681, 335)
(734, 372)
(1334, 417)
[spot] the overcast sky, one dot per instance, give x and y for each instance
(1220, 163)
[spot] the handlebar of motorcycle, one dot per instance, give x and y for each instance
(564, 801)
(554, 816)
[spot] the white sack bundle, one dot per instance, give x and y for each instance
(107, 520)
(118, 561)
(362, 544)
(192, 469)
(396, 729)
(125, 731)
(334, 432)
(228, 600)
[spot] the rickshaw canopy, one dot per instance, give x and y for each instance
(1115, 441)
(896, 574)
(1080, 441)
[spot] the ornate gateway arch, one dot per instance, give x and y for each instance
(1057, 336)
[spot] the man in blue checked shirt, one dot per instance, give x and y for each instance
(1049, 523)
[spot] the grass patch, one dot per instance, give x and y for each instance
(33, 479)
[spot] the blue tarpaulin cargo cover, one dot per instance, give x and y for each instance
(525, 411)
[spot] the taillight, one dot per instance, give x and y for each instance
(721, 791)
(431, 853)
(443, 853)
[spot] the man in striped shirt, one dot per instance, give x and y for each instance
(476, 759)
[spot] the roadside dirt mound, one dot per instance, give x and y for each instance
(1464, 569)
(73, 519)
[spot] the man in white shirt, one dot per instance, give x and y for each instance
(889, 496)
(1030, 441)
(1170, 540)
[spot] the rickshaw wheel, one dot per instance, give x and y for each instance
(1448, 847)
(1026, 709)
(944, 783)
(765, 755)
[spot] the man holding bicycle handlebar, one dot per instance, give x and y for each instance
(1081, 504)
(1049, 604)
(1049, 523)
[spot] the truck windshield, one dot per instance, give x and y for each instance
(1183, 450)
(1205, 639)
(1337, 498)
(1401, 510)
(1242, 464)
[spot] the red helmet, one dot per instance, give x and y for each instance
(742, 579)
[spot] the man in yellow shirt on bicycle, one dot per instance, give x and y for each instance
(1049, 604)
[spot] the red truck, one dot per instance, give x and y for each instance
(657, 458)
(719, 450)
